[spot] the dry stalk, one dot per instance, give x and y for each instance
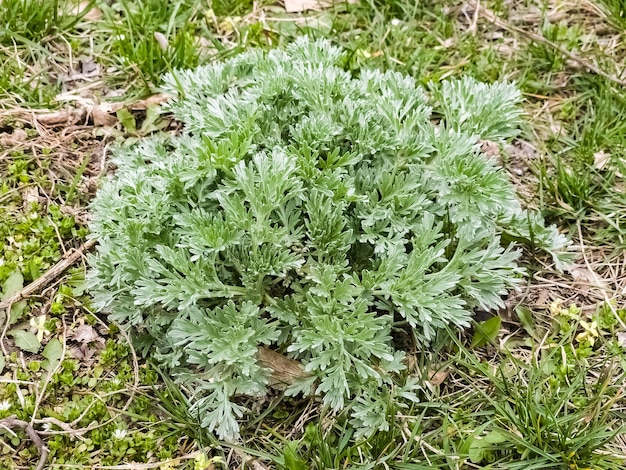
(12, 422)
(68, 260)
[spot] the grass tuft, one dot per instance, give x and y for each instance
(153, 37)
(30, 21)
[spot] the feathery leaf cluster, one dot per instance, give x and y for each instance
(313, 212)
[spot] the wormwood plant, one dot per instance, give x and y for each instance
(312, 212)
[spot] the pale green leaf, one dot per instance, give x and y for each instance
(477, 449)
(152, 122)
(292, 461)
(526, 318)
(127, 120)
(13, 284)
(495, 437)
(26, 341)
(53, 353)
(17, 311)
(486, 332)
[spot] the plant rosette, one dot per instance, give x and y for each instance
(313, 212)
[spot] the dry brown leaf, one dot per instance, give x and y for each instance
(412, 363)
(583, 275)
(89, 67)
(162, 40)
(30, 194)
(436, 377)
(298, 6)
(93, 14)
(491, 151)
(80, 214)
(285, 371)
(85, 334)
(154, 100)
(86, 354)
(62, 117)
(101, 115)
(16, 137)
(600, 159)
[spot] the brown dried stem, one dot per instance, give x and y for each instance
(12, 422)
(68, 260)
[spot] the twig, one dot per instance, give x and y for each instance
(474, 25)
(249, 461)
(136, 466)
(49, 275)
(67, 429)
(133, 354)
(13, 422)
(493, 18)
(41, 393)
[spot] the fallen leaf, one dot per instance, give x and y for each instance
(412, 363)
(142, 105)
(80, 214)
(100, 112)
(436, 378)
(621, 339)
(101, 117)
(84, 353)
(16, 137)
(162, 40)
(30, 194)
(298, 6)
(93, 14)
(89, 67)
(85, 334)
(63, 117)
(491, 150)
(284, 371)
(1, 363)
(583, 275)
(600, 159)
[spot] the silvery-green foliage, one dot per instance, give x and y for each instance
(311, 211)
(490, 111)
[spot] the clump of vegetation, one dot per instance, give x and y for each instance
(25, 21)
(157, 35)
(313, 212)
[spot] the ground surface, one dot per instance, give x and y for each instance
(79, 77)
